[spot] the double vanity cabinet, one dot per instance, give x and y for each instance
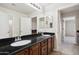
(44, 47)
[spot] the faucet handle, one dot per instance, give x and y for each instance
(16, 38)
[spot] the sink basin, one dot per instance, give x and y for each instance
(46, 35)
(20, 43)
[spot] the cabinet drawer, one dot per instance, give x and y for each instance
(35, 49)
(36, 45)
(43, 43)
(23, 52)
(49, 45)
(44, 50)
(53, 42)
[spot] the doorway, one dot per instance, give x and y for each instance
(69, 30)
(34, 25)
(68, 26)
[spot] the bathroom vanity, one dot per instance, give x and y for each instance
(39, 45)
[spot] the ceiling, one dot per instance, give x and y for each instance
(70, 9)
(21, 7)
(24, 8)
(45, 4)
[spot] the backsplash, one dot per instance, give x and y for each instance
(28, 36)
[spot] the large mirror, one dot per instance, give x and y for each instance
(46, 22)
(25, 25)
(42, 22)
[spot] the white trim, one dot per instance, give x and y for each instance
(69, 18)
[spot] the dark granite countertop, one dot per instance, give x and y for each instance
(77, 31)
(9, 50)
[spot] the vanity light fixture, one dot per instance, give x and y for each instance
(35, 5)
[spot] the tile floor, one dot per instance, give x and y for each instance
(56, 53)
(69, 47)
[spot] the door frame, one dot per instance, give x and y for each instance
(60, 28)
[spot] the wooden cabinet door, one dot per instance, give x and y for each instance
(35, 49)
(44, 50)
(23, 52)
(49, 45)
(53, 38)
(43, 47)
(43, 43)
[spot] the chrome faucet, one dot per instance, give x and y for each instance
(18, 38)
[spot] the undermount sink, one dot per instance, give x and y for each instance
(46, 35)
(20, 43)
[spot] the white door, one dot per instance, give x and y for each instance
(69, 28)
(25, 26)
(4, 25)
